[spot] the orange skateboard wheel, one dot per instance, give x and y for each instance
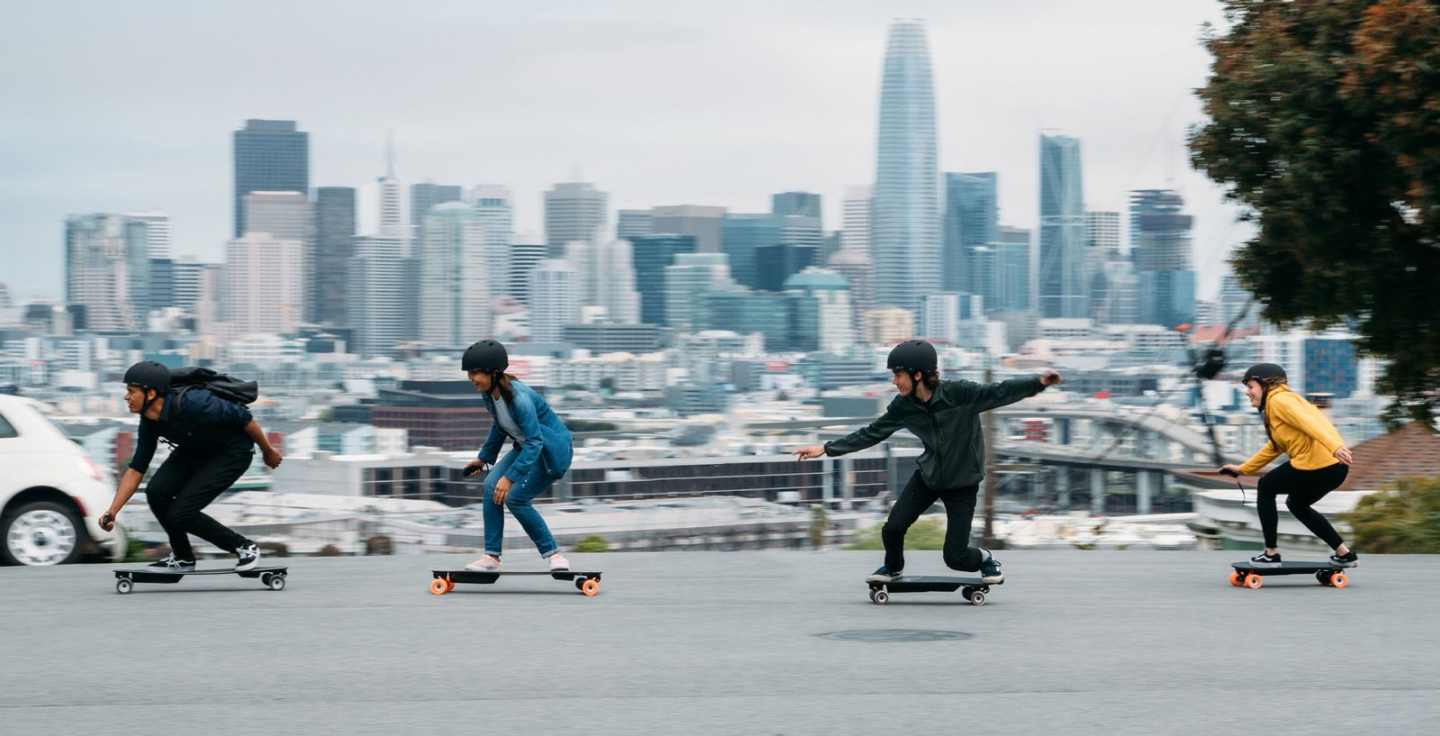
(449, 585)
(439, 586)
(1339, 580)
(590, 587)
(1235, 579)
(1252, 581)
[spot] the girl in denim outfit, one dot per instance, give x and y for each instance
(540, 456)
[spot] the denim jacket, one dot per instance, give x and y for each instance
(545, 435)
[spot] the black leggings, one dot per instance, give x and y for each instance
(1304, 487)
(918, 497)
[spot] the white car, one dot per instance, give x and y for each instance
(51, 493)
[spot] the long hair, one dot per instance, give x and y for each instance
(500, 381)
(1266, 384)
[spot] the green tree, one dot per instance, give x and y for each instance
(926, 534)
(1324, 122)
(1404, 518)
(592, 543)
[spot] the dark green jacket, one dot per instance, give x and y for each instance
(948, 425)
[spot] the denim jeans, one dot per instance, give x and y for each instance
(522, 492)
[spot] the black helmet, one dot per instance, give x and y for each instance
(149, 375)
(487, 355)
(1262, 371)
(913, 355)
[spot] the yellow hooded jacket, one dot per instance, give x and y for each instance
(1297, 429)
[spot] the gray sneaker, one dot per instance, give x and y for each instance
(990, 568)
(1264, 560)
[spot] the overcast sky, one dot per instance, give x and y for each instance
(127, 106)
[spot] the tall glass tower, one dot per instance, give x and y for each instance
(905, 235)
(1063, 289)
(270, 156)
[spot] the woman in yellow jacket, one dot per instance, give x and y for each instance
(1319, 462)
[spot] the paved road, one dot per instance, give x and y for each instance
(725, 643)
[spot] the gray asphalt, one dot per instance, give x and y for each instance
(1075, 642)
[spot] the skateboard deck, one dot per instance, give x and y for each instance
(1248, 575)
(272, 577)
(973, 587)
(445, 580)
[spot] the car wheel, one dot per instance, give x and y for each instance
(41, 533)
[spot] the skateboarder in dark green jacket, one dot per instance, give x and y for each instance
(945, 416)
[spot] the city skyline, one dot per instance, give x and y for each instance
(811, 127)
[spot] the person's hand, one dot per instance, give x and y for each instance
(1231, 470)
(474, 466)
(502, 489)
(1344, 456)
(107, 520)
(808, 453)
(1051, 378)
(272, 457)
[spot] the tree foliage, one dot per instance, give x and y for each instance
(1403, 519)
(1324, 121)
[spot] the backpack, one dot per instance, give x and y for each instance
(230, 389)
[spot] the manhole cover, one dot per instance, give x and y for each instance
(899, 636)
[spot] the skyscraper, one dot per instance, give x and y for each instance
(379, 299)
(270, 156)
(425, 196)
(554, 300)
(703, 222)
(455, 303)
(744, 235)
(1162, 257)
(857, 214)
(1102, 248)
(972, 219)
(287, 216)
(107, 271)
(497, 215)
(802, 204)
(263, 287)
(1063, 290)
(631, 223)
(526, 253)
(651, 254)
(573, 212)
(906, 248)
(334, 247)
(1013, 286)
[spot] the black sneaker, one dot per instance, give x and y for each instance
(883, 576)
(1349, 559)
(249, 557)
(1264, 560)
(990, 568)
(172, 564)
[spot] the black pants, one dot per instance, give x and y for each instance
(187, 483)
(917, 497)
(1304, 487)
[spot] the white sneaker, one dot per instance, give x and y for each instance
(487, 563)
(558, 563)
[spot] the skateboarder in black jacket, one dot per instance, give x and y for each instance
(214, 441)
(945, 416)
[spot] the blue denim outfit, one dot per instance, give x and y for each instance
(539, 459)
